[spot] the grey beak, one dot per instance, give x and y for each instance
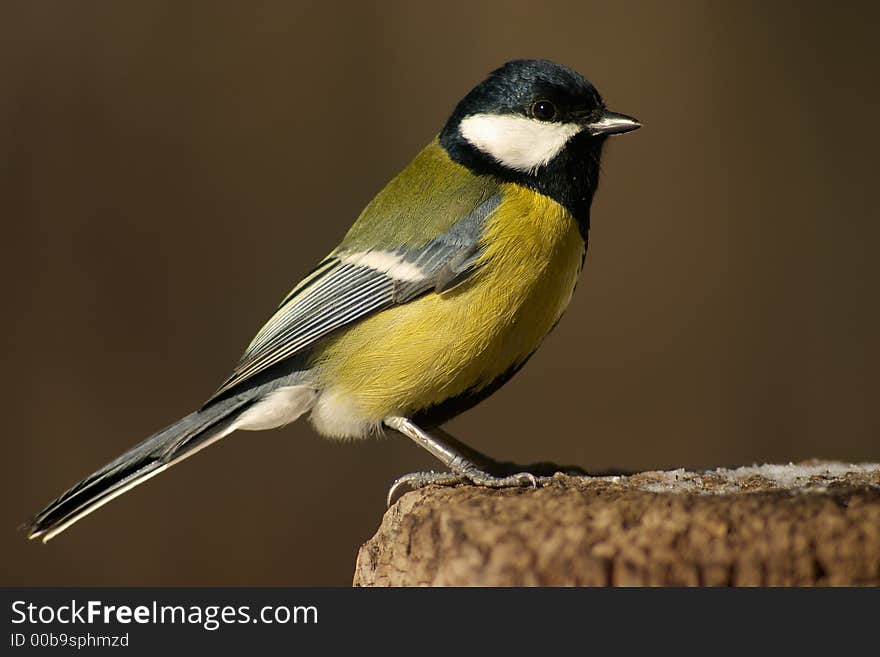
(612, 123)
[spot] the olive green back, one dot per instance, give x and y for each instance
(425, 199)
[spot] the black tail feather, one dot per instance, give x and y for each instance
(159, 451)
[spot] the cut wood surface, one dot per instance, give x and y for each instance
(815, 523)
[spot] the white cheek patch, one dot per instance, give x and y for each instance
(386, 262)
(517, 142)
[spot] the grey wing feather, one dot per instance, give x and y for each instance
(460, 246)
(339, 292)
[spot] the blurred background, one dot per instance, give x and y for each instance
(170, 169)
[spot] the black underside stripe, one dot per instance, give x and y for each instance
(448, 409)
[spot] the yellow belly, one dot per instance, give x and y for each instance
(417, 355)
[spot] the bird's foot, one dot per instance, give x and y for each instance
(416, 480)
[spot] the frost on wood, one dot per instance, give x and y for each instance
(803, 524)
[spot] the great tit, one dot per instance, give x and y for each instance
(441, 290)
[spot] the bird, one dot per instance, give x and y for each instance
(442, 289)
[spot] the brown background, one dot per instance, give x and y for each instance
(169, 171)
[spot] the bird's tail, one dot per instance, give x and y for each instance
(147, 459)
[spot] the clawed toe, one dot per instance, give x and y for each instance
(519, 479)
(527, 479)
(416, 480)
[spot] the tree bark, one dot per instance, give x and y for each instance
(807, 524)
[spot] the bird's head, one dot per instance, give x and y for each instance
(539, 124)
(526, 114)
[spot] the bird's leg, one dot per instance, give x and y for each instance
(466, 464)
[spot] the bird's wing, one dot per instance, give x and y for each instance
(351, 284)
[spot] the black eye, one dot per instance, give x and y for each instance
(544, 110)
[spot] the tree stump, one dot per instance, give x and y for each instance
(815, 523)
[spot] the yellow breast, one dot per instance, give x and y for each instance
(417, 355)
